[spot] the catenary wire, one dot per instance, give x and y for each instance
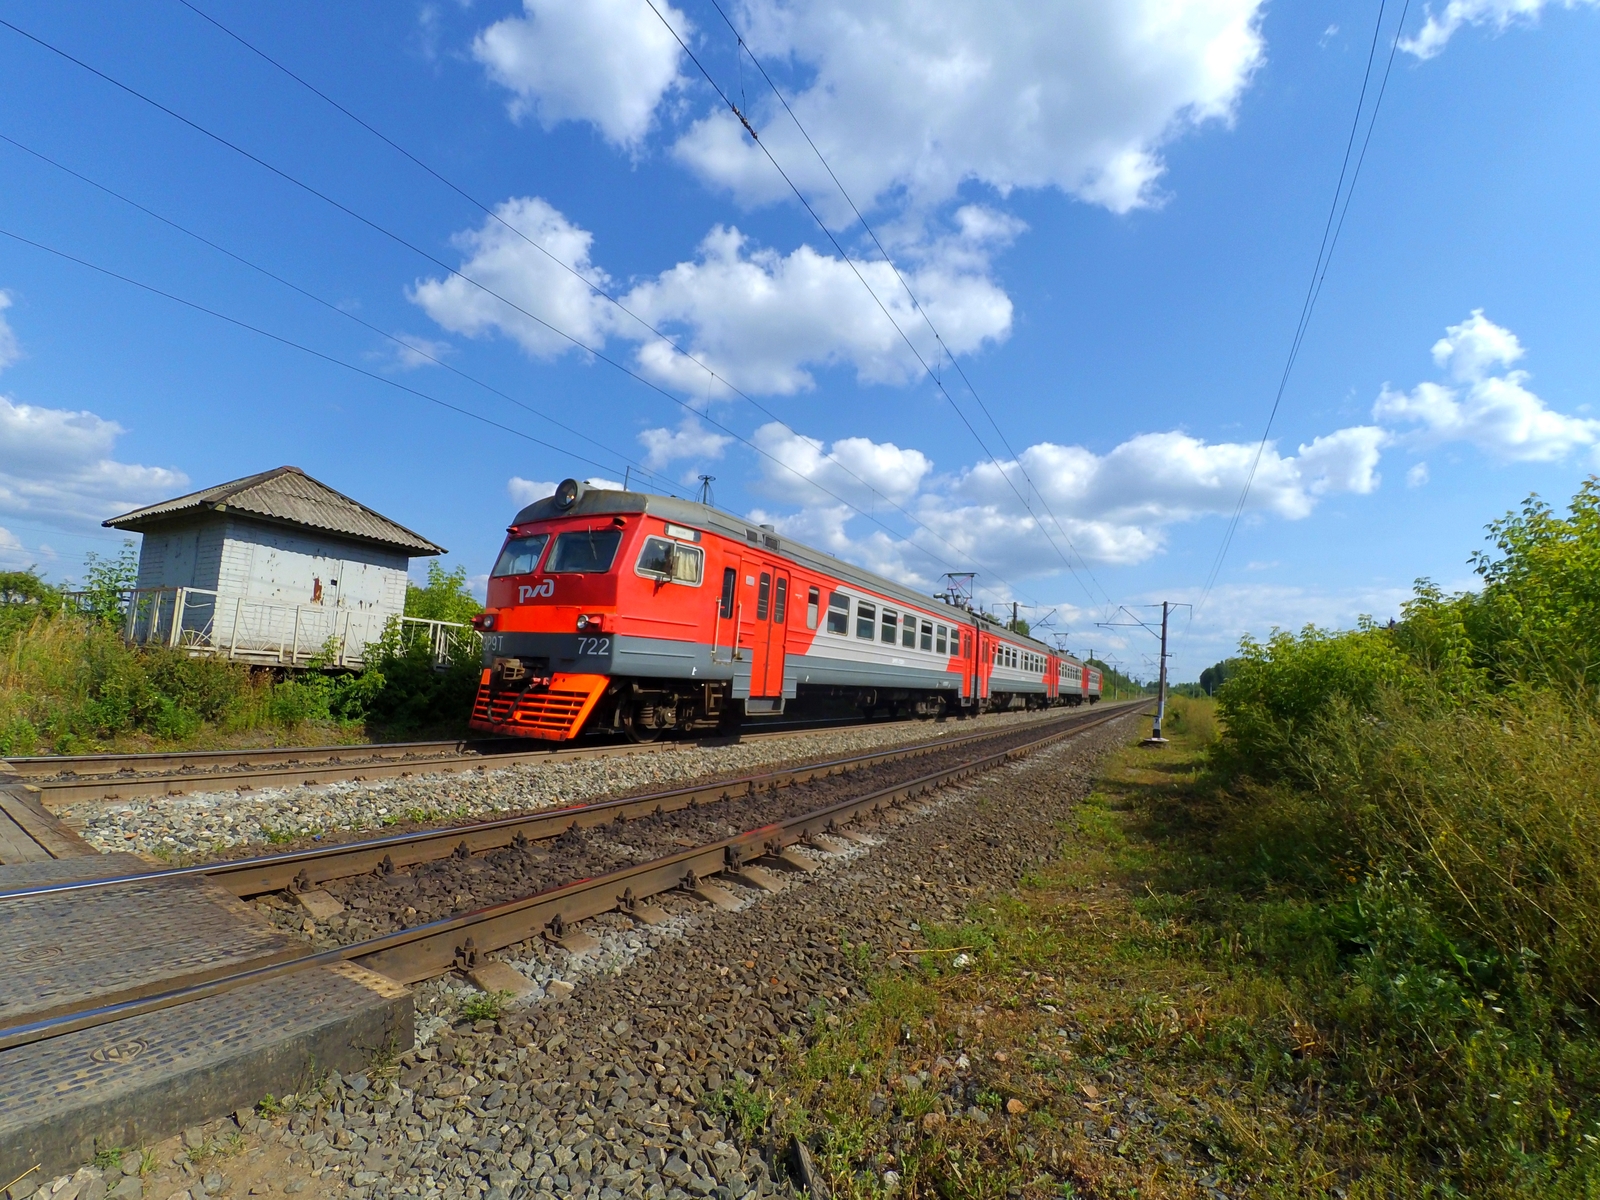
(910, 345)
(408, 347)
(654, 330)
(916, 304)
(599, 354)
(1330, 238)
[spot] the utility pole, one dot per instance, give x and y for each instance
(1161, 688)
(1013, 616)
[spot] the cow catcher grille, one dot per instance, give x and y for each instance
(554, 713)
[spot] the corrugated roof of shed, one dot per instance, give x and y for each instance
(287, 496)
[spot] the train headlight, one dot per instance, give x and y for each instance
(483, 622)
(591, 623)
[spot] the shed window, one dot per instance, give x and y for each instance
(730, 580)
(927, 635)
(585, 551)
(866, 620)
(763, 596)
(838, 613)
(520, 556)
(780, 602)
(664, 560)
(889, 621)
(813, 599)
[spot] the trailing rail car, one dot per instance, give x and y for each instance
(620, 611)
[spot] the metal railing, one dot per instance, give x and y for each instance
(203, 622)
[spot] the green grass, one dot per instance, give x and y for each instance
(485, 1006)
(1286, 1023)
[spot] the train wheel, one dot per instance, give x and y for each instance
(639, 721)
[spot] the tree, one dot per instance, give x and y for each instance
(445, 598)
(106, 581)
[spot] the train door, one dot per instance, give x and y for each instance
(767, 598)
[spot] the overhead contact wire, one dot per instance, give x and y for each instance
(656, 331)
(916, 304)
(1319, 272)
(599, 354)
(910, 345)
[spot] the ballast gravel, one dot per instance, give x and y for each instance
(600, 1084)
(200, 824)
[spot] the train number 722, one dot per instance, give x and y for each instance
(593, 645)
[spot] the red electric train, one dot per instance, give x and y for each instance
(616, 611)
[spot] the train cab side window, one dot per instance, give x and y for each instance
(813, 599)
(780, 602)
(730, 580)
(838, 613)
(889, 621)
(927, 635)
(866, 620)
(938, 644)
(763, 596)
(908, 632)
(520, 556)
(670, 561)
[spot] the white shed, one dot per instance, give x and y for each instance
(276, 567)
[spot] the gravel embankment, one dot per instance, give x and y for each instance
(599, 1085)
(205, 823)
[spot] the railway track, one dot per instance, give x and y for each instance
(786, 815)
(61, 780)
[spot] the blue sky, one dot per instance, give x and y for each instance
(1109, 211)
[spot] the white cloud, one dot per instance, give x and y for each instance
(506, 264)
(608, 62)
(411, 351)
(1417, 476)
(524, 492)
(1441, 26)
(762, 320)
(914, 97)
(1113, 508)
(1497, 413)
(10, 349)
(56, 465)
(690, 439)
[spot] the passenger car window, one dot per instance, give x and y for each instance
(763, 595)
(813, 598)
(888, 626)
(908, 633)
(730, 580)
(838, 613)
(584, 551)
(781, 601)
(520, 556)
(866, 620)
(939, 644)
(927, 635)
(667, 560)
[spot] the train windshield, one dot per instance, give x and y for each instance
(521, 555)
(588, 551)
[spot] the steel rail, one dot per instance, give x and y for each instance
(411, 955)
(75, 779)
(299, 870)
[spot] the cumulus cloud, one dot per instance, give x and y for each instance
(1417, 476)
(914, 97)
(10, 350)
(524, 492)
(531, 276)
(56, 465)
(764, 321)
(1113, 508)
(1484, 402)
(608, 62)
(411, 351)
(690, 440)
(1443, 25)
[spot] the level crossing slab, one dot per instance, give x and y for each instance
(139, 1079)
